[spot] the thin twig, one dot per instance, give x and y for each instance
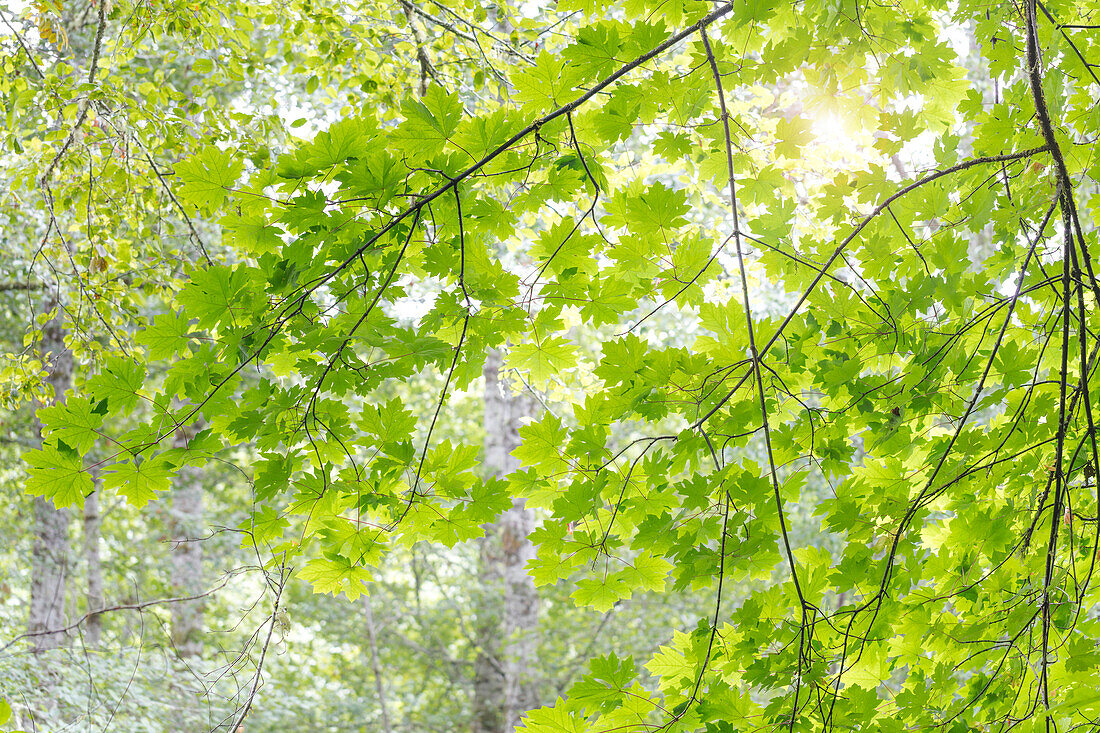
(272, 622)
(86, 104)
(119, 607)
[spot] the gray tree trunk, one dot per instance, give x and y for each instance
(94, 591)
(488, 695)
(50, 551)
(505, 685)
(521, 608)
(376, 665)
(186, 522)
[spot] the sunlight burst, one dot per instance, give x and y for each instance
(833, 134)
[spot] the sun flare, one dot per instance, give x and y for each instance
(835, 135)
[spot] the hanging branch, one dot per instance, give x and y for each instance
(805, 635)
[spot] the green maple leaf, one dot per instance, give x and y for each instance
(647, 572)
(549, 567)
(347, 138)
(167, 336)
(75, 421)
(623, 360)
(546, 84)
(390, 422)
(791, 136)
(120, 382)
(670, 663)
(488, 500)
(479, 135)
(376, 173)
(608, 678)
(336, 575)
(554, 719)
(673, 145)
(659, 209)
(562, 249)
(429, 123)
(616, 119)
(208, 177)
(543, 360)
(209, 296)
(600, 593)
(608, 298)
(265, 525)
(56, 472)
(139, 481)
(595, 49)
(253, 234)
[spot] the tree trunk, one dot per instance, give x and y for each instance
(521, 609)
(488, 697)
(50, 553)
(376, 665)
(186, 525)
(504, 685)
(94, 593)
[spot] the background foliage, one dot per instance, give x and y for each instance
(806, 293)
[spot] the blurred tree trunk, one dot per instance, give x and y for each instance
(94, 591)
(50, 553)
(186, 522)
(521, 607)
(504, 683)
(376, 665)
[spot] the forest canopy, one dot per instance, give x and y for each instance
(767, 322)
